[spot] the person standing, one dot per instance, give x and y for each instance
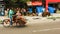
(11, 12)
(6, 11)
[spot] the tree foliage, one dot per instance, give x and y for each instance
(16, 2)
(20, 0)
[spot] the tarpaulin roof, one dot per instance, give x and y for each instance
(52, 0)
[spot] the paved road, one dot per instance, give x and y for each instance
(35, 26)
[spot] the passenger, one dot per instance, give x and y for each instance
(19, 18)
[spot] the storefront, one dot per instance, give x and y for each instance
(35, 6)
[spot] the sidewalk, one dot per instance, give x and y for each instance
(39, 19)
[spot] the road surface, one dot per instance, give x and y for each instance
(35, 26)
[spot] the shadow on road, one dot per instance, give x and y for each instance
(20, 26)
(16, 26)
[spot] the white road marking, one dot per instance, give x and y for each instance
(46, 29)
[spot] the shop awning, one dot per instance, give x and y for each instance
(34, 3)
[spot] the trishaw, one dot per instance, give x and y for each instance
(21, 21)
